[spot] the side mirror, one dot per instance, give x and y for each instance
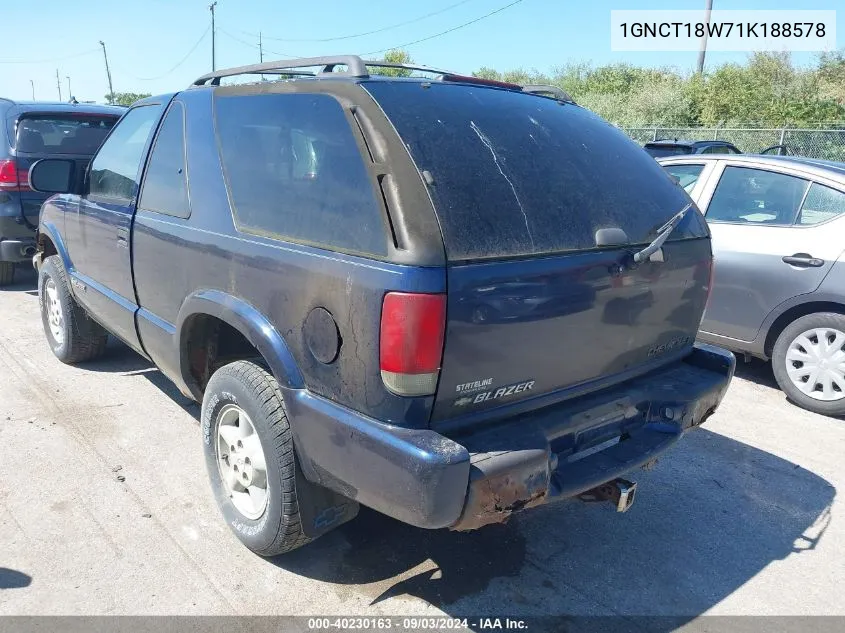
(53, 175)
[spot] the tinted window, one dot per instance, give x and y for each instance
(661, 151)
(517, 174)
(718, 149)
(57, 134)
(295, 171)
(687, 175)
(756, 196)
(165, 184)
(821, 204)
(114, 170)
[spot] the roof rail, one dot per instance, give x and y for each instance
(355, 67)
(427, 69)
(549, 91)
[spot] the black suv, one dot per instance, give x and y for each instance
(30, 131)
(673, 147)
(445, 298)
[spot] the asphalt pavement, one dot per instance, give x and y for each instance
(105, 509)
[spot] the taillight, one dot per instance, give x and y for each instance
(12, 178)
(411, 342)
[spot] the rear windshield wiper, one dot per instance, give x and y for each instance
(663, 234)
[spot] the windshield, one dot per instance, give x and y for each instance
(661, 151)
(516, 174)
(62, 134)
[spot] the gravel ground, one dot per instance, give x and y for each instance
(105, 509)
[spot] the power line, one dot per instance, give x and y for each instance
(354, 35)
(179, 63)
(454, 28)
(47, 61)
(256, 46)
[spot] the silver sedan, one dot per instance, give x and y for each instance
(778, 226)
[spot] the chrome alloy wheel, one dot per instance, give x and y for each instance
(53, 308)
(240, 459)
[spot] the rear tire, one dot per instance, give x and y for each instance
(7, 273)
(255, 450)
(73, 336)
(816, 383)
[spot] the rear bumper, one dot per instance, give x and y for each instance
(463, 482)
(16, 239)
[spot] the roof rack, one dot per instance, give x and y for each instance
(355, 67)
(549, 91)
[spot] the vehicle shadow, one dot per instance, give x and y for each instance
(26, 280)
(710, 517)
(757, 371)
(13, 579)
(120, 359)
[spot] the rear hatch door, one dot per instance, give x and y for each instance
(37, 135)
(540, 300)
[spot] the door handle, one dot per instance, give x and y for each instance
(123, 237)
(803, 259)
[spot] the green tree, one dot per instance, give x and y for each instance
(125, 98)
(395, 56)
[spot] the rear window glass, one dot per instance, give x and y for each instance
(516, 174)
(662, 151)
(295, 171)
(56, 134)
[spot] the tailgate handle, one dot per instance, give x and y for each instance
(803, 259)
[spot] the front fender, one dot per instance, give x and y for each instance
(248, 321)
(51, 230)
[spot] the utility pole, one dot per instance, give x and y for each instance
(702, 49)
(58, 84)
(108, 72)
(213, 60)
(32, 83)
(69, 92)
(260, 48)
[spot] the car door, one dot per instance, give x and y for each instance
(102, 272)
(772, 240)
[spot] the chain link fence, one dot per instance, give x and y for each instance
(825, 144)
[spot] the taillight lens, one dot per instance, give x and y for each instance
(411, 342)
(12, 178)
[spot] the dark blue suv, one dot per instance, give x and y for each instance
(30, 131)
(444, 298)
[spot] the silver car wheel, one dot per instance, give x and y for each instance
(815, 363)
(240, 459)
(55, 317)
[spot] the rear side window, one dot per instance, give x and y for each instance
(165, 184)
(821, 204)
(756, 196)
(516, 174)
(295, 172)
(57, 134)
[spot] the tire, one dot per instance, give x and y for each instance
(7, 273)
(786, 357)
(244, 387)
(73, 336)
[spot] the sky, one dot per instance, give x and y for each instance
(159, 46)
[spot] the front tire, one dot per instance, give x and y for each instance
(7, 273)
(73, 336)
(250, 458)
(808, 361)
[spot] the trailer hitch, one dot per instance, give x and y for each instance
(620, 492)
